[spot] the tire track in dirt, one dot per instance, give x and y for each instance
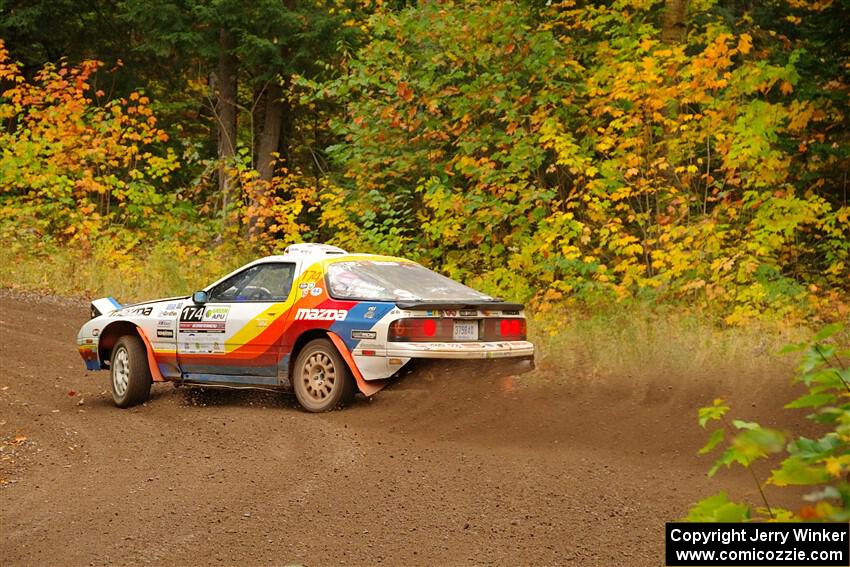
(448, 466)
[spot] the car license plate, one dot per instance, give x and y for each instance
(466, 331)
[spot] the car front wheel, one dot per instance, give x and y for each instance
(131, 375)
(321, 379)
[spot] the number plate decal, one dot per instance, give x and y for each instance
(465, 331)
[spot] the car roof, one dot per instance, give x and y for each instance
(309, 254)
(311, 260)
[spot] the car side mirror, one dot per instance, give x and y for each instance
(200, 297)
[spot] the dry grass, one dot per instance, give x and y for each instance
(638, 341)
(161, 272)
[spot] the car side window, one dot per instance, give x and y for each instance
(263, 282)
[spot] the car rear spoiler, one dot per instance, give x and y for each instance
(103, 306)
(431, 305)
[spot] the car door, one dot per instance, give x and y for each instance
(235, 337)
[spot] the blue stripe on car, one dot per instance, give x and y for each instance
(357, 320)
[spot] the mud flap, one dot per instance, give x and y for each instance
(155, 373)
(367, 388)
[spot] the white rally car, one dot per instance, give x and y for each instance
(317, 319)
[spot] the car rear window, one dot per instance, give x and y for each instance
(374, 280)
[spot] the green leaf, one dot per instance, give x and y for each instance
(814, 449)
(753, 443)
(718, 508)
(739, 424)
(812, 401)
(727, 458)
(792, 348)
(827, 332)
(844, 375)
(796, 471)
(828, 377)
(713, 441)
(715, 411)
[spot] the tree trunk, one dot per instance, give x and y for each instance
(270, 133)
(226, 114)
(674, 21)
(269, 116)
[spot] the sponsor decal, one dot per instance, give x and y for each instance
(370, 313)
(321, 314)
(165, 333)
(144, 311)
(311, 275)
(163, 323)
(198, 314)
(204, 319)
(468, 313)
(95, 332)
(309, 288)
(450, 313)
(171, 310)
(218, 313)
(201, 327)
(192, 313)
(363, 335)
(191, 346)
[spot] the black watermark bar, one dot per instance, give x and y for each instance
(764, 545)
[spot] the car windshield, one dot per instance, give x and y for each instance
(379, 280)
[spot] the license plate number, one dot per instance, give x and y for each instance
(466, 331)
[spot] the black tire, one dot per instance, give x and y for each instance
(321, 379)
(129, 372)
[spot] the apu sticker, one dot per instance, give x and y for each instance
(216, 313)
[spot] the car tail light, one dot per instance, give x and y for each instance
(511, 329)
(421, 330)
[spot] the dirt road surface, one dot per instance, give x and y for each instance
(446, 467)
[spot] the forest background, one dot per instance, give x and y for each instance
(579, 154)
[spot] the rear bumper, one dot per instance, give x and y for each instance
(508, 349)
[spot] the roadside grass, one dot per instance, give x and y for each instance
(647, 344)
(629, 340)
(163, 271)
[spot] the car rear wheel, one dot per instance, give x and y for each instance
(321, 379)
(131, 375)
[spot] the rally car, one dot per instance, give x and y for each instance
(316, 320)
